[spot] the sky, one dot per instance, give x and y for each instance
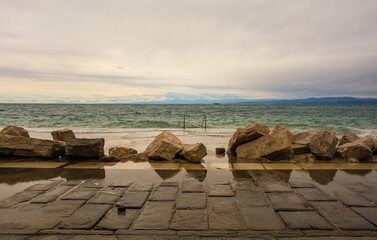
(125, 51)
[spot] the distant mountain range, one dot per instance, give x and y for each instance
(313, 101)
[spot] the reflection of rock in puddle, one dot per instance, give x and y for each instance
(166, 174)
(15, 175)
(240, 174)
(273, 175)
(322, 177)
(199, 175)
(82, 174)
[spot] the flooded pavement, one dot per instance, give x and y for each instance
(219, 197)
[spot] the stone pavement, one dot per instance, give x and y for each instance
(262, 204)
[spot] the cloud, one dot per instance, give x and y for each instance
(244, 48)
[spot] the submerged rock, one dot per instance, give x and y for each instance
(30, 147)
(247, 134)
(220, 150)
(193, 152)
(85, 147)
(15, 131)
(164, 147)
(360, 149)
(63, 134)
(122, 152)
(323, 145)
(348, 137)
(275, 146)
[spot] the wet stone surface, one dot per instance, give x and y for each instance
(273, 203)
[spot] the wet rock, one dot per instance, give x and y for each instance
(274, 146)
(323, 145)
(15, 131)
(122, 152)
(360, 149)
(30, 147)
(193, 152)
(220, 150)
(348, 137)
(299, 149)
(85, 148)
(246, 134)
(63, 134)
(164, 147)
(108, 159)
(304, 137)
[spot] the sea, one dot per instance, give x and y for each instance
(82, 118)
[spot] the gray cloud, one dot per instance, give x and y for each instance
(245, 48)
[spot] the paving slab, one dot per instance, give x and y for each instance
(275, 186)
(19, 197)
(248, 166)
(141, 186)
(62, 208)
(215, 190)
(37, 165)
(287, 201)
(244, 184)
(114, 220)
(368, 213)
(52, 195)
(93, 183)
(343, 217)
(108, 195)
(14, 219)
(280, 166)
(155, 216)
(124, 183)
(193, 186)
(190, 220)
(351, 199)
(169, 184)
(80, 194)
(262, 218)
(30, 207)
(163, 166)
(191, 201)
(302, 185)
(192, 167)
(132, 199)
(314, 194)
(164, 194)
(44, 186)
(248, 198)
(224, 214)
(305, 220)
(85, 217)
(72, 183)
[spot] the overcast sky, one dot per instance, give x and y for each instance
(135, 51)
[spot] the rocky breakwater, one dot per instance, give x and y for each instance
(167, 146)
(311, 145)
(15, 141)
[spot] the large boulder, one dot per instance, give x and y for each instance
(275, 146)
(300, 141)
(193, 152)
(348, 137)
(85, 147)
(360, 149)
(246, 134)
(323, 145)
(164, 147)
(63, 134)
(15, 131)
(30, 147)
(122, 152)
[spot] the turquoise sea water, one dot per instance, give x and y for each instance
(340, 118)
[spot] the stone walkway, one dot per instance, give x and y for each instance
(260, 205)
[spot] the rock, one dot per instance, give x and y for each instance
(323, 145)
(247, 134)
(15, 131)
(275, 146)
(348, 137)
(220, 150)
(85, 147)
(108, 159)
(164, 147)
(360, 149)
(307, 157)
(193, 152)
(30, 147)
(122, 152)
(63, 134)
(299, 149)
